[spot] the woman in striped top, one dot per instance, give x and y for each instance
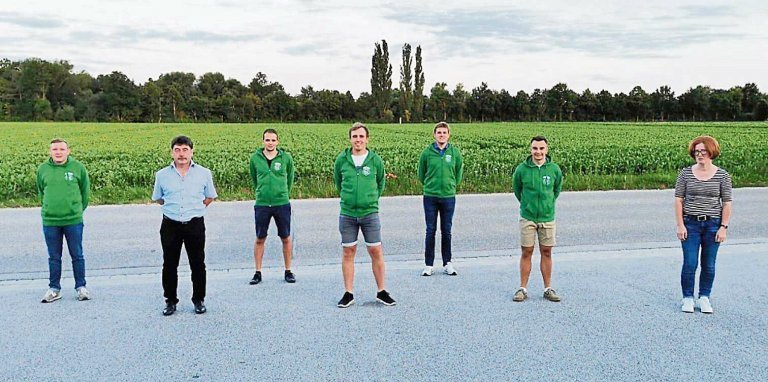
(703, 209)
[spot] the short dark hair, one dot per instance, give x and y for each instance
(59, 140)
(182, 140)
(358, 125)
(441, 124)
(539, 138)
(269, 131)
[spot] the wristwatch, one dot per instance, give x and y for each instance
(724, 226)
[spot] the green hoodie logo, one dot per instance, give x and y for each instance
(366, 170)
(69, 176)
(277, 166)
(447, 157)
(547, 180)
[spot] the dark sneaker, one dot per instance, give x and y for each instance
(199, 307)
(256, 278)
(169, 309)
(346, 300)
(385, 298)
(289, 277)
(551, 295)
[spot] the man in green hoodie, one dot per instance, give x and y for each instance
(272, 175)
(359, 177)
(64, 188)
(537, 183)
(440, 170)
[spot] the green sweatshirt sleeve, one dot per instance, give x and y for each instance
(459, 167)
(381, 176)
(558, 182)
(517, 183)
(422, 170)
(85, 188)
(337, 173)
(39, 184)
(291, 172)
(252, 171)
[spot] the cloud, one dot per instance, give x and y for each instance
(26, 21)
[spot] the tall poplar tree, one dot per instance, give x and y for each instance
(381, 79)
(418, 91)
(406, 84)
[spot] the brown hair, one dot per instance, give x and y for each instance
(60, 140)
(358, 125)
(441, 124)
(713, 148)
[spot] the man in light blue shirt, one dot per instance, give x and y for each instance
(184, 189)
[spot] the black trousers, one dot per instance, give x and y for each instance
(192, 235)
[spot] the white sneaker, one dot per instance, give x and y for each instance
(450, 270)
(51, 295)
(427, 271)
(705, 305)
(82, 294)
(687, 305)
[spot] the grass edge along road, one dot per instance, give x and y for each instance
(123, 158)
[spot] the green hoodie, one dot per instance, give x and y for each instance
(271, 185)
(536, 188)
(64, 190)
(440, 174)
(359, 188)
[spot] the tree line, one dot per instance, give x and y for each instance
(38, 90)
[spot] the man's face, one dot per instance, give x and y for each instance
(441, 135)
(270, 141)
(359, 139)
(539, 150)
(59, 152)
(182, 154)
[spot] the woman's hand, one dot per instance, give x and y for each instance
(720, 235)
(682, 232)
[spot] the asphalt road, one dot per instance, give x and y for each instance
(617, 267)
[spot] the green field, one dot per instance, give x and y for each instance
(123, 158)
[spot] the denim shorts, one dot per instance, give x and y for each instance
(369, 224)
(529, 231)
(282, 216)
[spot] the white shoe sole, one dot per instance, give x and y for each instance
(390, 304)
(346, 306)
(44, 301)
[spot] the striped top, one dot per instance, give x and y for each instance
(703, 197)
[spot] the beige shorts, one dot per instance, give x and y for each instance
(529, 230)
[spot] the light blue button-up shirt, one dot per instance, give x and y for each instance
(183, 196)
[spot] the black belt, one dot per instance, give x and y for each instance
(193, 220)
(702, 218)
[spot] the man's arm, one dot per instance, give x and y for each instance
(337, 174)
(459, 167)
(517, 184)
(85, 188)
(558, 182)
(291, 172)
(381, 176)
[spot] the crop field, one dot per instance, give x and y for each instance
(123, 158)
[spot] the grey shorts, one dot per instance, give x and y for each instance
(369, 224)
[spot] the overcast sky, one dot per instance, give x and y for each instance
(514, 45)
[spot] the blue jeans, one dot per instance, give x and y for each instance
(434, 206)
(54, 238)
(701, 234)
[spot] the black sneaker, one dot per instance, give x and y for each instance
(256, 278)
(385, 298)
(346, 300)
(169, 309)
(289, 277)
(199, 307)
